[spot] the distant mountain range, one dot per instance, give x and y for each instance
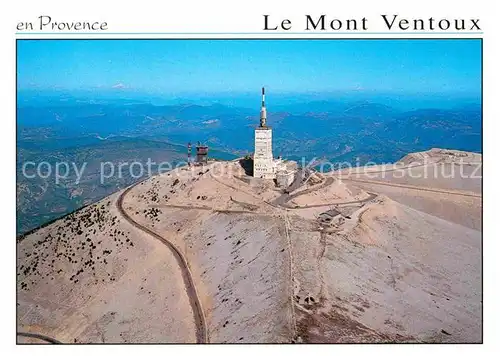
(94, 131)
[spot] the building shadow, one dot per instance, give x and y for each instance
(247, 164)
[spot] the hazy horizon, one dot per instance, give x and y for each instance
(171, 67)
(276, 101)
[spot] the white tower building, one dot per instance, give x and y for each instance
(263, 164)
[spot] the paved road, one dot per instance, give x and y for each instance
(383, 170)
(45, 338)
(199, 316)
(240, 190)
(416, 187)
(285, 198)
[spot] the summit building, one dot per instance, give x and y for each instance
(264, 165)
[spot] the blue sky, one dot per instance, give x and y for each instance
(403, 66)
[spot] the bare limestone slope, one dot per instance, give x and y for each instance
(91, 277)
(435, 172)
(396, 274)
(256, 265)
(235, 248)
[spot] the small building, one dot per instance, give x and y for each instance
(285, 172)
(284, 178)
(201, 153)
(327, 216)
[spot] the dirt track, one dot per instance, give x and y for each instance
(361, 201)
(199, 316)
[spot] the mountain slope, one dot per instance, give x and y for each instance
(266, 267)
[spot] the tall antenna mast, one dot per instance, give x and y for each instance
(263, 113)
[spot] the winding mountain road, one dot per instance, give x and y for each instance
(416, 187)
(201, 326)
(285, 198)
(45, 338)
